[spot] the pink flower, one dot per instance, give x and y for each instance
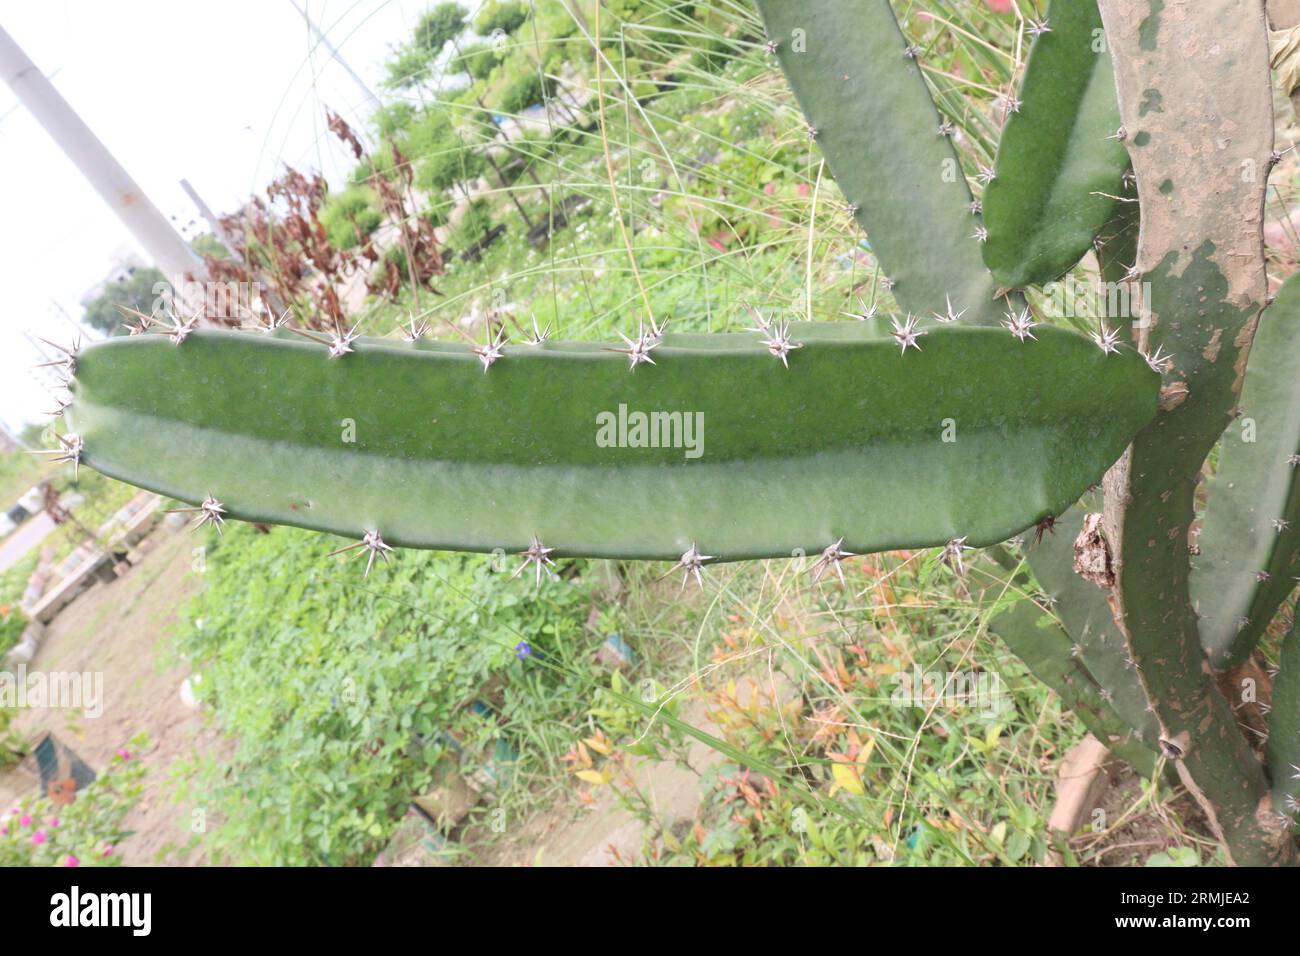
(108, 850)
(26, 820)
(999, 6)
(72, 861)
(124, 754)
(38, 837)
(53, 821)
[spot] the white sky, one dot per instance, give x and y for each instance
(216, 93)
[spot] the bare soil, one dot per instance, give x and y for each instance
(123, 630)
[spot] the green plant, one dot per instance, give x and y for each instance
(524, 89)
(38, 831)
(507, 16)
(833, 438)
(474, 225)
(340, 699)
(12, 624)
(351, 216)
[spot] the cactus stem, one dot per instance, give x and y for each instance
(691, 563)
(832, 556)
(537, 555)
(209, 512)
(1020, 324)
(906, 333)
(372, 544)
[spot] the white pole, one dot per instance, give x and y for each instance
(151, 229)
(335, 54)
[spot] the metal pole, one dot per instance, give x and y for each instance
(335, 54)
(151, 229)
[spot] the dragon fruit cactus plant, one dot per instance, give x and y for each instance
(964, 421)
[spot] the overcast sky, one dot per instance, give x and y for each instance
(216, 93)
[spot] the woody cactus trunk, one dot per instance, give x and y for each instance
(963, 422)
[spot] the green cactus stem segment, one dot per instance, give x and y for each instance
(869, 109)
(1203, 259)
(1284, 730)
(421, 443)
(1060, 169)
(1250, 542)
(1084, 611)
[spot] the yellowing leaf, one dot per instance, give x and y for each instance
(596, 777)
(846, 777)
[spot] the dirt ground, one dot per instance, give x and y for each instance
(123, 629)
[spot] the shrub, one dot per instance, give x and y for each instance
(38, 832)
(341, 694)
(473, 226)
(12, 624)
(350, 216)
(525, 89)
(496, 15)
(477, 60)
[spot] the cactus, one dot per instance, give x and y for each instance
(435, 425)
(1060, 167)
(860, 84)
(1250, 542)
(830, 437)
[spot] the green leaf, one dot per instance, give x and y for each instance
(1059, 164)
(878, 127)
(853, 439)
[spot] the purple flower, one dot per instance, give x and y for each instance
(523, 651)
